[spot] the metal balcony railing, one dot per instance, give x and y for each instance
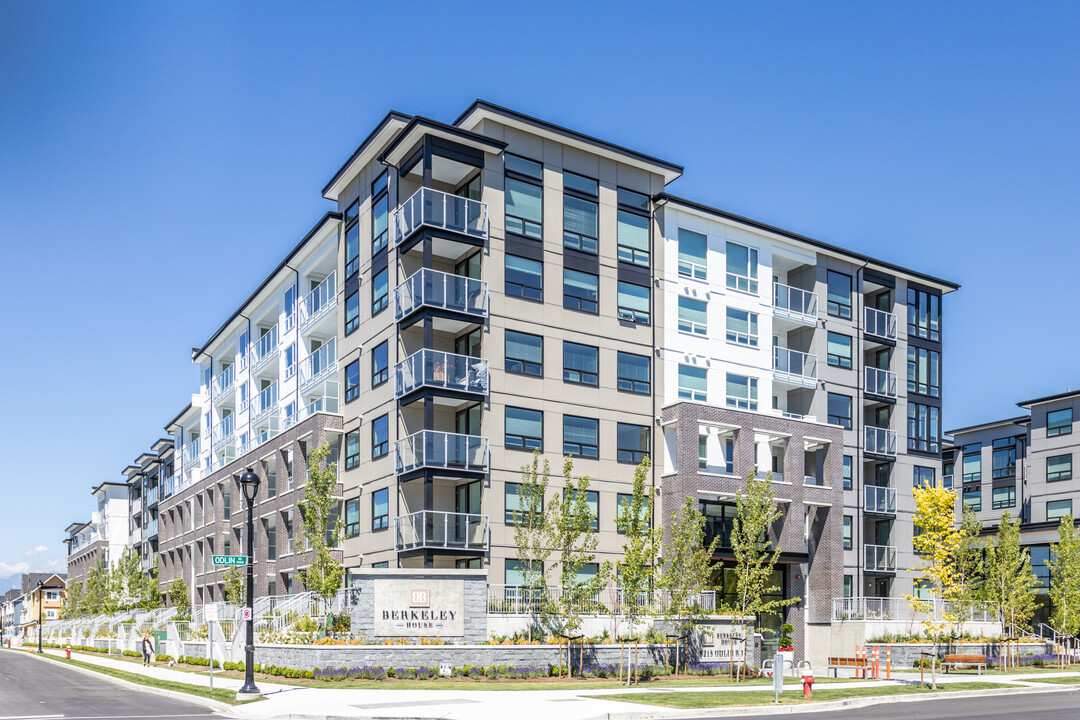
(319, 301)
(794, 366)
(441, 530)
(880, 441)
(438, 209)
(881, 500)
(879, 558)
(191, 452)
(881, 382)
(263, 349)
(893, 609)
(794, 303)
(152, 496)
(441, 450)
(880, 323)
(436, 289)
(443, 370)
(319, 364)
(224, 381)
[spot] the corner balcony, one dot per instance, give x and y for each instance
(223, 431)
(428, 208)
(880, 382)
(794, 367)
(319, 365)
(792, 303)
(223, 384)
(319, 302)
(191, 452)
(263, 404)
(441, 451)
(457, 375)
(879, 558)
(459, 533)
(880, 500)
(880, 441)
(453, 295)
(152, 496)
(264, 348)
(880, 324)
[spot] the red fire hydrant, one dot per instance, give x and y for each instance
(67, 650)
(807, 686)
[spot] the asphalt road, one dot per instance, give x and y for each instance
(1029, 706)
(37, 688)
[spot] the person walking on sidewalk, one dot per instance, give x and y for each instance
(147, 650)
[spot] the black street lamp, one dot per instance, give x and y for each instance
(249, 483)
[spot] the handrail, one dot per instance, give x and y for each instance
(319, 300)
(880, 323)
(435, 208)
(794, 302)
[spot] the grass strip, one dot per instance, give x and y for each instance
(1067, 680)
(693, 700)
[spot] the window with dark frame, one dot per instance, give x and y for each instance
(922, 477)
(380, 291)
(1004, 457)
(1003, 497)
(1059, 422)
(839, 294)
(839, 408)
(524, 278)
(352, 380)
(633, 303)
(924, 314)
(632, 442)
(971, 466)
(1058, 467)
(581, 291)
(352, 313)
(524, 429)
(380, 509)
(633, 373)
(352, 518)
(352, 449)
(848, 460)
(352, 239)
(380, 214)
(924, 371)
(580, 364)
(380, 437)
(512, 503)
(847, 532)
(632, 236)
(524, 353)
(839, 347)
(973, 497)
(580, 211)
(524, 197)
(380, 364)
(581, 437)
(924, 427)
(1057, 509)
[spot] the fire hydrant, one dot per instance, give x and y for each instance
(67, 651)
(807, 686)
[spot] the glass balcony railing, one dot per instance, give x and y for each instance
(441, 450)
(152, 528)
(794, 303)
(152, 496)
(441, 530)
(436, 289)
(795, 366)
(881, 500)
(881, 382)
(880, 441)
(442, 370)
(264, 348)
(223, 431)
(880, 324)
(437, 209)
(191, 452)
(265, 402)
(223, 383)
(319, 364)
(879, 558)
(319, 301)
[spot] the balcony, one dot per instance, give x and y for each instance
(880, 324)
(152, 496)
(319, 301)
(442, 371)
(264, 403)
(441, 211)
(223, 383)
(880, 441)
(880, 500)
(264, 349)
(223, 431)
(438, 530)
(191, 452)
(319, 364)
(441, 451)
(879, 558)
(794, 367)
(441, 291)
(795, 304)
(880, 382)
(152, 529)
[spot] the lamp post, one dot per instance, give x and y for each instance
(249, 483)
(40, 604)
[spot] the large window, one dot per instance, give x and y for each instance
(693, 383)
(847, 532)
(352, 312)
(923, 477)
(742, 268)
(579, 212)
(924, 427)
(1057, 509)
(693, 254)
(693, 316)
(352, 380)
(380, 437)
(742, 392)
(380, 213)
(742, 327)
(524, 197)
(512, 503)
(581, 436)
(1059, 467)
(1003, 497)
(380, 291)
(839, 294)
(352, 518)
(839, 408)
(1004, 457)
(380, 509)
(352, 240)
(839, 350)
(632, 443)
(524, 353)
(924, 371)
(633, 302)
(972, 464)
(524, 278)
(592, 505)
(580, 363)
(924, 314)
(633, 373)
(580, 291)
(633, 229)
(524, 429)
(1059, 422)
(380, 364)
(624, 513)
(352, 449)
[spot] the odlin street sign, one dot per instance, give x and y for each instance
(230, 559)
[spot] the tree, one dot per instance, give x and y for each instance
(180, 598)
(755, 512)
(1009, 585)
(937, 542)
(637, 570)
(686, 565)
(1064, 566)
(150, 593)
(97, 598)
(127, 581)
(322, 526)
(531, 535)
(235, 586)
(970, 568)
(73, 602)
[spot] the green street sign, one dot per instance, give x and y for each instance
(230, 559)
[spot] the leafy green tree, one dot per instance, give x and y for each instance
(180, 598)
(235, 586)
(686, 564)
(532, 537)
(127, 581)
(322, 526)
(637, 570)
(1009, 585)
(97, 595)
(970, 568)
(73, 602)
(1064, 566)
(937, 543)
(150, 592)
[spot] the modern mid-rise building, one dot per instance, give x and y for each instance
(104, 537)
(145, 479)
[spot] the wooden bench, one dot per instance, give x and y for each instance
(979, 661)
(835, 663)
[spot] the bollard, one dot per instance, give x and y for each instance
(888, 662)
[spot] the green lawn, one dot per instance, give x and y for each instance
(1066, 680)
(688, 700)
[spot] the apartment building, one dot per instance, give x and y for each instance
(104, 537)
(145, 478)
(1022, 465)
(38, 595)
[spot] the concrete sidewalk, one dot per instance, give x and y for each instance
(294, 702)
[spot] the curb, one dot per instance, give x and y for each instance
(173, 694)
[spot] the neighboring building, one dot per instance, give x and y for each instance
(8, 611)
(104, 537)
(145, 478)
(1022, 465)
(19, 607)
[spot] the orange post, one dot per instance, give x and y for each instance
(888, 662)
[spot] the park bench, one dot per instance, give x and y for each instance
(835, 663)
(979, 661)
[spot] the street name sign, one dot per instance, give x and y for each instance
(230, 559)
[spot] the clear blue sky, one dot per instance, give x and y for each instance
(157, 160)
